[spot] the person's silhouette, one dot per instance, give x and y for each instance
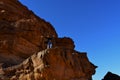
(49, 43)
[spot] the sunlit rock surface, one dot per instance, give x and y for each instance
(30, 48)
(21, 32)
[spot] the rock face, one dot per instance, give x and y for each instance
(30, 48)
(52, 64)
(21, 32)
(111, 76)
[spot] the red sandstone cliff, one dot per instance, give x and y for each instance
(23, 48)
(21, 32)
(52, 64)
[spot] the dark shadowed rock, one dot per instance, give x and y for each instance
(111, 76)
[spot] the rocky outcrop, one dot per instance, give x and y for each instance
(21, 32)
(30, 48)
(64, 42)
(52, 64)
(111, 76)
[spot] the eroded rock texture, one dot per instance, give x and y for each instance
(52, 64)
(21, 32)
(31, 50)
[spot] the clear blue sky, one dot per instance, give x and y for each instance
(94, 25)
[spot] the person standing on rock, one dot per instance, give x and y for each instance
(49, 43)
